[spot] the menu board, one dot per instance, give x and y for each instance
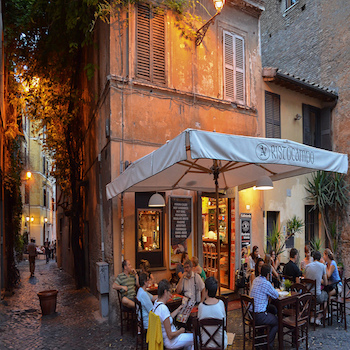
(180, 227)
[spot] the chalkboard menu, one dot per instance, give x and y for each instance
(180, 226)
(181, 219)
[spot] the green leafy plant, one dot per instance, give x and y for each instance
(287, 284)
(294, 225)
(316, 245)
(329, 194)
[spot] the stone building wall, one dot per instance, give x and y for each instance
(312, 41)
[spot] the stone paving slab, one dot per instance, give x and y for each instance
(76, 324)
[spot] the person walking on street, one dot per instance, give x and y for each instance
(47, 250)
(32, 254)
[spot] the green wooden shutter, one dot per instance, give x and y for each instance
(158, 46)
(150, 44)
(326, 142)
(272, 115)
(143, 42)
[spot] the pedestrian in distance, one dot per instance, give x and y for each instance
(47, 250)
(32, 254)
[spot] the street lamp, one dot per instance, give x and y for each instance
(219, 4)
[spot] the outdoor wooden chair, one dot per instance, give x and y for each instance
(311, 288)
(300, 289)
(340, 304)
(260, 333)
(126, 316)
(141, 332)
(206, 336)
(297, 325)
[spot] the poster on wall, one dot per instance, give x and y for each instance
(180, 228)
(246, 232)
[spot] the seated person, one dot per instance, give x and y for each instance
(261, 290)
(191, 285)
(332, 273)
(291, 268)
(179, 267)
(212, 308)
(145, 267)
(146, 299)
(172, 338)
(126, 283)
(274, 276)
(257, 269)
(197, 268)
(317, 271)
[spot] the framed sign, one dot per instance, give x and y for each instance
(181, 226)
(246, 232)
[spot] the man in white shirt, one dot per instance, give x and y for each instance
(317, 271)
(191, 284)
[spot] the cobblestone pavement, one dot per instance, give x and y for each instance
(76, 324)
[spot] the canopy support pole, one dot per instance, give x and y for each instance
(216, 176)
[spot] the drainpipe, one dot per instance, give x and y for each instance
(101, 207)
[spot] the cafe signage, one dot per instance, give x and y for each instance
(180, 227)
(245, 223)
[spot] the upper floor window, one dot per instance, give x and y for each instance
(234, 68)
(150, 43)
(44, 197)
(317, 127)
(289, 3)
(26, 194)
(272, 115)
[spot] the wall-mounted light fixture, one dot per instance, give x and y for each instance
(264, 183)
(32, 219)
(156, 200)
(45, 219)
(27, 218)
(297, 117)
(219, 4)
(28, 175)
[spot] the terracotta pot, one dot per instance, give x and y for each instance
(48, 300)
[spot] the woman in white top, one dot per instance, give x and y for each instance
(212, 308)
(172, 338)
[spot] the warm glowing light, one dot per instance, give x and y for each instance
(27, 218)
(45, 219)
(219, 4)
(28, 175)
(32, 219)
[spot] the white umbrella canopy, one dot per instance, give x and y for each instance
(187, 162)
(208, 161)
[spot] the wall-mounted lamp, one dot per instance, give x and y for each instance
(297, 117)
(27, 218)
(28, 175)
(156, 200)
(264, 183)
(219, 4)
(32, 219)
(45, 219)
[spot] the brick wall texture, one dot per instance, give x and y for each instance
(311, 40)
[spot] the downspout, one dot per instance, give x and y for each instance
(101, 207)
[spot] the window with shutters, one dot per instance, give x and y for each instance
(317, 127)
(272, 115)
(234, 68)
(150, 44)
(290, 3)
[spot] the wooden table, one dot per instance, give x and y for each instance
(280, 303)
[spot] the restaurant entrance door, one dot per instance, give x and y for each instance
(209, 236)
